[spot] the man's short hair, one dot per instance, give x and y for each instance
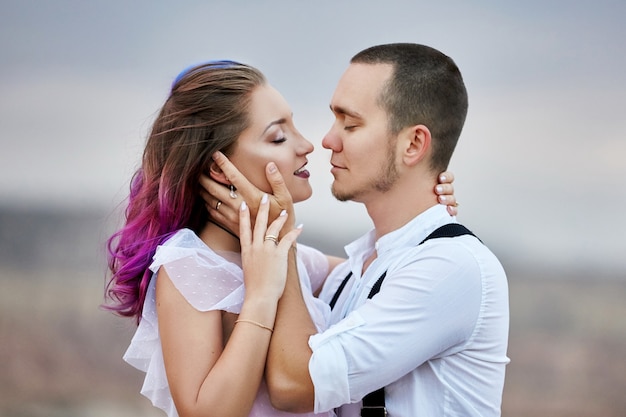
(426, 87)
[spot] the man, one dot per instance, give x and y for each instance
(435, 335)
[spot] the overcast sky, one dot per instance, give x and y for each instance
(540, 165)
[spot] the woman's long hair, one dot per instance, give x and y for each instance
(206, 111)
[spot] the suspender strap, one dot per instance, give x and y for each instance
(374, 402)
(448, 230)
(377, 285)
(339, 290)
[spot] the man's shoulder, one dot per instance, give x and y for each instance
(464, 253)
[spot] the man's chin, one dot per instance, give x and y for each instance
(340, 195)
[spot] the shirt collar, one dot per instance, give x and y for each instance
(410, 234)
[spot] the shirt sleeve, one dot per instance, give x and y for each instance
(205, 279)
(427, 308)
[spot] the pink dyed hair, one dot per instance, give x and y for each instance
(206, 111)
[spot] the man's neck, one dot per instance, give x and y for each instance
(391, 210)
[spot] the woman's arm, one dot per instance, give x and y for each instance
(205, 377)
(287, 376)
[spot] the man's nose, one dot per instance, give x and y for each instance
(332, 140)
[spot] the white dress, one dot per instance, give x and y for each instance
(210, 281)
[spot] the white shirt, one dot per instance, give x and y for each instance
(435, 336)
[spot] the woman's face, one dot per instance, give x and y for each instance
(273, 137)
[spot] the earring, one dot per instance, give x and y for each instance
(233, 194)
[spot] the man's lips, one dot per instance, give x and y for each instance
(334, 166)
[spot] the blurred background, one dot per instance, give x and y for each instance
(540, 172)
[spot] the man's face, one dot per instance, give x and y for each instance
(363, 151)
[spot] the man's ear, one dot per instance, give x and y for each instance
(417, 143)
(216, 174)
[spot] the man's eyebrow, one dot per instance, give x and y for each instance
(345, 112)
(275, 122)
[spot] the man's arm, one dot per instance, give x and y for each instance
(287, 368)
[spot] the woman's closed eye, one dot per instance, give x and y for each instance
(278, 135)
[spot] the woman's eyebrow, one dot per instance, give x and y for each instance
(275, 122)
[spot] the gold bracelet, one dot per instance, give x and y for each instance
(255, 323)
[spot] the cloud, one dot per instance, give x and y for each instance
(539, 167)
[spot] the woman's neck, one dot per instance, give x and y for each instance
(219, 238)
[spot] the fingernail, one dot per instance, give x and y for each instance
(217, 155)
(243, 206)
(264, 199)
(283, 213)
(439, 188)
(271, 167)
(300, 226)
(442, 178)
(442, 198)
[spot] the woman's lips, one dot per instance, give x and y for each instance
(302, 172)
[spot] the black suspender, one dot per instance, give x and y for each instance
(339, 290)
(374, 402)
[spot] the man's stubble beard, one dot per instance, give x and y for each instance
(382, 182)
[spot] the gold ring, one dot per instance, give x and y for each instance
(217, 206)
(272, 238)
(456, 204)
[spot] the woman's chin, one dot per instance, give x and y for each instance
(301, 195)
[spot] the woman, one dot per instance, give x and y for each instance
(202, 340)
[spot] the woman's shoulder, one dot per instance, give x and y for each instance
(185, 238)
(206, 279)
(182, 244)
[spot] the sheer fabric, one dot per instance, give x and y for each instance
(210, 281)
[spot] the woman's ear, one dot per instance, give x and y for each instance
(216, 174)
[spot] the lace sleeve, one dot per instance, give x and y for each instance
(205, 279)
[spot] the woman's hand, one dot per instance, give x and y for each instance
(224, 206)
(445, 192)
(263, 252)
